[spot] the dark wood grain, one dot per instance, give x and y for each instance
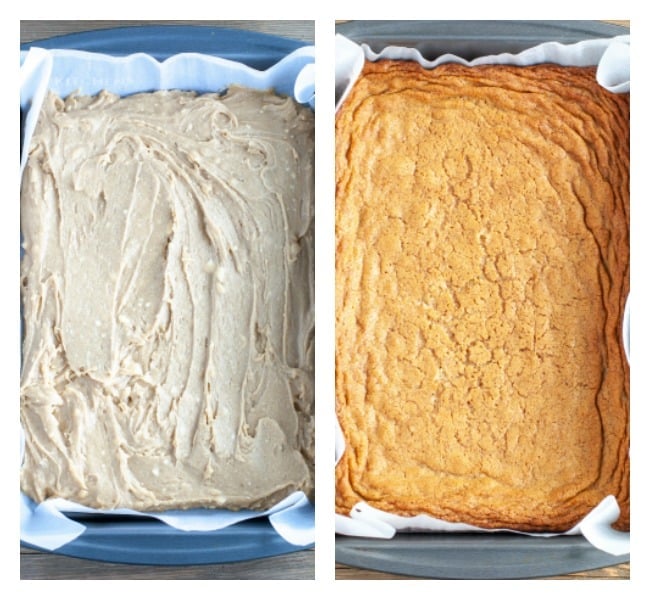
(41, 565)
(621, 571)
(39, 30)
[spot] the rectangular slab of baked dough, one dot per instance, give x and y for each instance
(482, 267)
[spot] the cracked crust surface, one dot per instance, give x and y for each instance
(482, 267)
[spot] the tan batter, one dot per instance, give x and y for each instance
(168, 300)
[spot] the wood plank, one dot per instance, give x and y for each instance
(39, 30)
(39, 565)
(622, 571)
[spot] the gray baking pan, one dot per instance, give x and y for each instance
(470, 39)
(473, 556)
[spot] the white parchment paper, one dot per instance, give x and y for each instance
(66, 71)
(612, 58)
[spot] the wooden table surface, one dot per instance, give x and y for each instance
(39, 30)
(298, 565)
(622, 571)
(41, 565)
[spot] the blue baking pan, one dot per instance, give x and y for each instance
(255, 49)
(145, 541)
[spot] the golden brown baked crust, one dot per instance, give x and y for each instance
(482, 267)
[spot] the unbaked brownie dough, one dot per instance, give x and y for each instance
(167, 288)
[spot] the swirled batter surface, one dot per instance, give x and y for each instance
(482, 224)
(167, 287)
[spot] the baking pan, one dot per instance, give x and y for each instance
(473, 556)
(470, 39)
(147, 541)
(255, 49)
(469, 555)
(142, 541)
